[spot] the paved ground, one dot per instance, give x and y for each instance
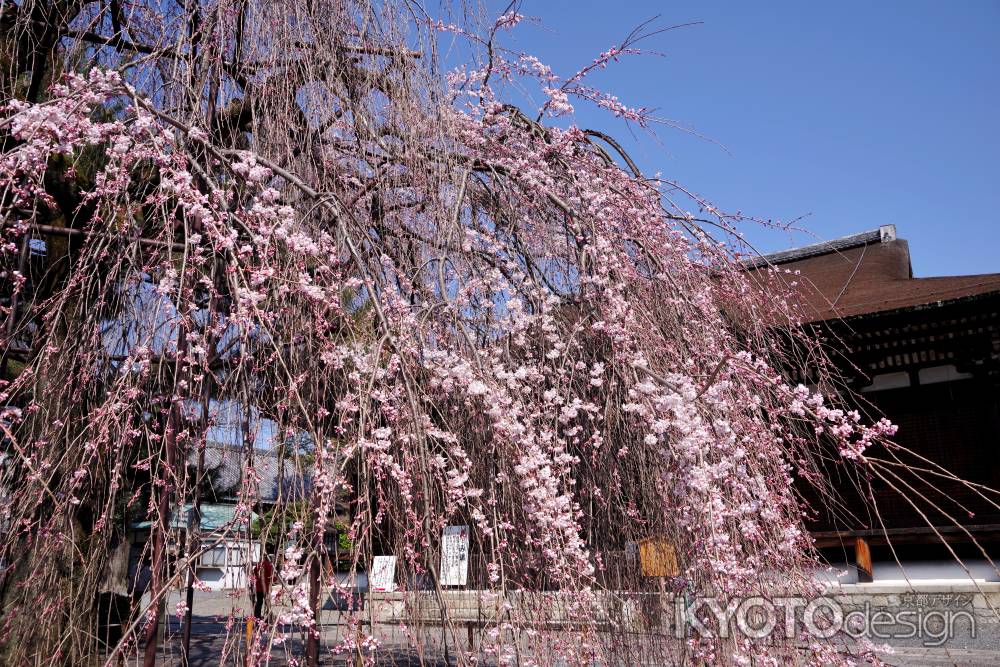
(218, 638)
(938, 657)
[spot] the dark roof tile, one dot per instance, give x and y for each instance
(862, 274)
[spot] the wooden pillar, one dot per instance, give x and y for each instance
(863, 560)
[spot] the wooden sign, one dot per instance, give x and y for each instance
(455, 556)
(658, 558)
(382, 578)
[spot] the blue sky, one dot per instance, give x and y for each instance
(855, 114)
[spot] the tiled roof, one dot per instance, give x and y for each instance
(862, 274)
(825, 247)
(226, 464)
(213, 518)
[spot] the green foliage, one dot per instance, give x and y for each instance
(344, 541)
(275, 525)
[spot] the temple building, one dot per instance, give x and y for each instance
(232, 541)
(925, 352)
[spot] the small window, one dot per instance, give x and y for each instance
(237, 555)
(215, 557)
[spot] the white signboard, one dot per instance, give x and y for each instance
(383, 575)
(455, 556)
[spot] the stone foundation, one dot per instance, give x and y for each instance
(940, 615)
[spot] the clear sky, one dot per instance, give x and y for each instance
(856, 114)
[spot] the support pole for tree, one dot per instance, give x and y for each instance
(168, 478)
(11, 323)
(159, 578)
(312, 640)
(193, 545)
(194, 527)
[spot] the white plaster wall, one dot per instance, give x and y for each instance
(937, 571)
(231, 571)
(928, 571)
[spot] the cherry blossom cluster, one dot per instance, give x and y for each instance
(451, 313)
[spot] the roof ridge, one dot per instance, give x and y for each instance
(880, 234)
(217, 444)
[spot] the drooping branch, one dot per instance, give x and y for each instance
(437, 309)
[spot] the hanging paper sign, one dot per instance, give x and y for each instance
(455, 556)
(383, 575)
(658, 558)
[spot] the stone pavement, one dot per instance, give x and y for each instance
(218, 639)
(942, 657)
